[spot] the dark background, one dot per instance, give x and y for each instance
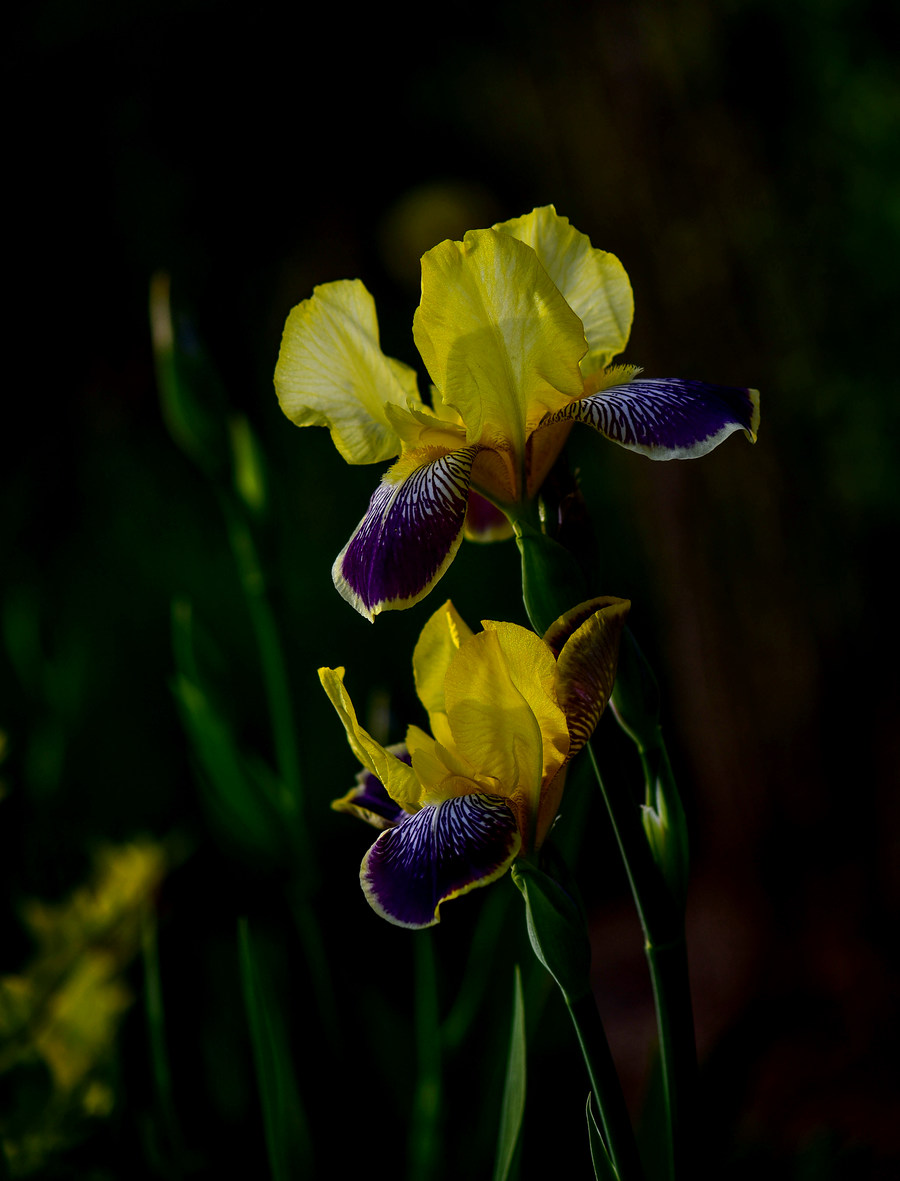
(741, 159)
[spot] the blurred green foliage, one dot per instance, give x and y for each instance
(741, 160)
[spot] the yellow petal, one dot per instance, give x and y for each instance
(498, 339)
(420, 427)
(437, 645)
(398, 778)
(331, 372)
(430, 770)
(532, 669)
(593, 282)
(502, 712)
(440, 771)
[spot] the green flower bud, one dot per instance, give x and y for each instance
(557, 929)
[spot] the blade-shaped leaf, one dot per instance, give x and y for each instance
(287, 1130)
(236, 805)
(513, 1106)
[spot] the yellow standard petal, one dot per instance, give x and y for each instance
(503, 714)
(532, 669)
(500, 343)
(593, 282)
(398, 778)
(331, 372)
(437, 645)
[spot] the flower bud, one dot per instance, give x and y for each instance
(556, 928)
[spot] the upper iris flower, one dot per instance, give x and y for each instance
(508, 711)
(517, 326)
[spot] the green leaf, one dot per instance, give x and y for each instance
(191, 397)
(247, 803)
(284, 1118)
(513, 1107)
(604, 1170)
(237, 807)
(249, 464)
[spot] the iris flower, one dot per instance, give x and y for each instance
(508, 710)
(517, 326)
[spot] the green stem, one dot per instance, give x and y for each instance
(614, 1117)
(662, 921)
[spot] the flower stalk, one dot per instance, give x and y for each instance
(558, 934)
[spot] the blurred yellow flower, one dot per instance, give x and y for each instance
(64, 1010)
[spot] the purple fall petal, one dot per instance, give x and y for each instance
(667, 418)
(408, 537)
(442, 851)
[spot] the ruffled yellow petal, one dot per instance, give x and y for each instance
(498, 339)
(533, 671)
(331, 372)
(593, 282)
(398, 778)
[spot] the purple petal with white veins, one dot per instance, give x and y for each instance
(408, 537)
(667, 418)
(438, 853)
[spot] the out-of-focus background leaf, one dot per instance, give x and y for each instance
(741, 159)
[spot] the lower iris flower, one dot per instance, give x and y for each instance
(517, 326)
(508, 710)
